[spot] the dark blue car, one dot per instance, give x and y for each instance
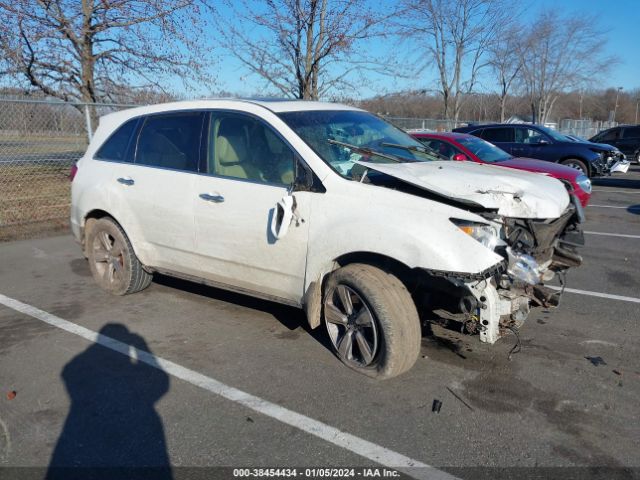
(536, 141)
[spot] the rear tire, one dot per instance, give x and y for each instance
(112, 261)
(372, 321)
(637, 158)
(576, 164)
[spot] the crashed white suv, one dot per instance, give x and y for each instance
(325, 207)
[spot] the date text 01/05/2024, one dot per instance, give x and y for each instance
(316, 472)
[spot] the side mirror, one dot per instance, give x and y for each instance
(282, 216)
(460, 157)
(542, 141)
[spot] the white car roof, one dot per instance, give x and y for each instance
(274, 105)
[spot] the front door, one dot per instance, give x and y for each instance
(250, 169)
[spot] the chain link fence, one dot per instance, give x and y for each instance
(584, 128)
(39, 142)
(427, 124)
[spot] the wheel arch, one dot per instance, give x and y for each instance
(412, 278)
(91, 218)
(586, 162)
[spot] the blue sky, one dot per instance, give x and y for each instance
(621, 19)
(618, 17)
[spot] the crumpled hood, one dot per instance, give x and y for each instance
(511, 192)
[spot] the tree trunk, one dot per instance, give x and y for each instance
(87, 63)
(503, 107)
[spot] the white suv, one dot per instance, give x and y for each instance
(325, 207)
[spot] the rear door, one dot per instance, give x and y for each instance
(502, 137)
(250, 168)
(154, 194)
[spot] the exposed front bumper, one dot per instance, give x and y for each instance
(621, 166)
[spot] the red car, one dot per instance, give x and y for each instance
(461, 146)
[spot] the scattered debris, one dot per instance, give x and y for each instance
(617, 372)
(516, 348)
(250, 420)
(460, 398)
(437, 405)
(541, 322)
(11, 395)
(595, 361)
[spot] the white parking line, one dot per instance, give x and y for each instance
(612, 206)
(596, 294)
(622, 235)
(357, 445)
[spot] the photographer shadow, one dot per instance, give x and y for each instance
(112, 429)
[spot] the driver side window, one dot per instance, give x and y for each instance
(245, 148)
(529, 136)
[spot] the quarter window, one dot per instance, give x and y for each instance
(116, 146)
(244, 147)
(171, 141)
(498, 134)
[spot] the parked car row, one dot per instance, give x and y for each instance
(331, 209)
(626, 138)
(461, 147)
(539, 142)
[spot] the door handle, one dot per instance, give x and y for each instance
(126, 181)
(212, 198)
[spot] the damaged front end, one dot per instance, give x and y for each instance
(534, 252)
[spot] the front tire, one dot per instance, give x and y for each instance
(372, 321)
(112, 261)
(576, 164)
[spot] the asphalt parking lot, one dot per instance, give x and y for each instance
(237, 382)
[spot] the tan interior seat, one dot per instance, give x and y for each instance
(156, 149)
(231, 153)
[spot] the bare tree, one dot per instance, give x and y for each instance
(456, 35)
(303, 48)
(88, 50)
(559, 53)
(506, 63)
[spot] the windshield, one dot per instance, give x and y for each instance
(485, 151)
(330, 133)
(553, 134)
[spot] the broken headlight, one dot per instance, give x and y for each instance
(584, 183)
(524, 267)
(485, 234)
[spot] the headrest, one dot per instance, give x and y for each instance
(231, 149)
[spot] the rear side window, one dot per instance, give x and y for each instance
(171, 141)
(632, 132)
(498, 134)
(117, 145)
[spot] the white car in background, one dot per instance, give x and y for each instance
(325, 207)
